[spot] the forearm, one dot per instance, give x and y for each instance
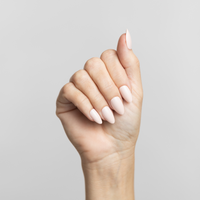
(110, 181)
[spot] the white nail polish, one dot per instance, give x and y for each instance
(108, 114)
(126, 93)
(128, 39)
(117, 105)
(95, 116)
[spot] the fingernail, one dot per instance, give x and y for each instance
(126, 93)
(117, 105)
(128, 39)
(95, 116)
(108, 114)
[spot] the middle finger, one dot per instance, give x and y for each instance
(99, 74)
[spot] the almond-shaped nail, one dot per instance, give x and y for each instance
(95, 116)
(117, 105)
(126, 93)
(108, 114)
(128, 39)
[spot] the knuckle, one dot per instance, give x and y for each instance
(109, 87)
(79, 76)
(81, 100)
(137, 62)
(97, 97)
(108, 54)
(133, 61)
(93, 63)
(67, 87)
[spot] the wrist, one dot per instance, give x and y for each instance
(110, 179)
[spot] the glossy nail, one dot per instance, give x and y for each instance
(117, 105)
(108, 114)
(128, 39)
(126, 93)
(95, 116)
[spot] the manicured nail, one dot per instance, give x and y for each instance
(95, 116)
(128, 39)
(126, 93)
(117, 105)
(108, 114)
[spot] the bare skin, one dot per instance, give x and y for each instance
(106, 150)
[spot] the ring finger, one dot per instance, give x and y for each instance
(100, 76)
(85, 84)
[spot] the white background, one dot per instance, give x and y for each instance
(42, 43)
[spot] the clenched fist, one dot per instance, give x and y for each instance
(100, 107)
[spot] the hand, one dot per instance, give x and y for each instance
(108, 88)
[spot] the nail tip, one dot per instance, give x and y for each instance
(95, 116)
(126, 93)
(99, 121)
(128, 39)
(122, 113)
(112, 122)
(129, 99)
(108, 114)
(117, 105)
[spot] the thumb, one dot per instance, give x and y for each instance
(128, 59)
